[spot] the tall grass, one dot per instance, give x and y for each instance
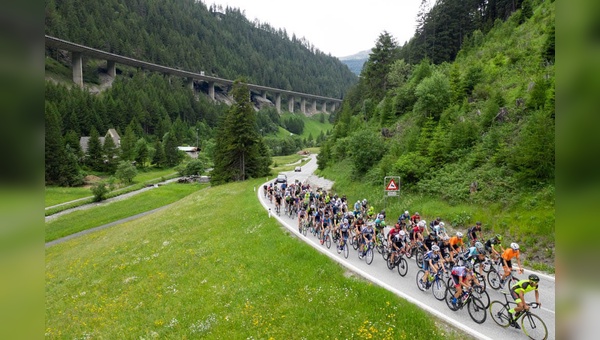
(215, 266)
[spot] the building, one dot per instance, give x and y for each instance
(111, 133)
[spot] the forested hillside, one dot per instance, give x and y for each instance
(479, 129)
(187, 34)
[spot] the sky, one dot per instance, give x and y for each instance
(338, 27)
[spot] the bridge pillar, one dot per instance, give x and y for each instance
(303, 106)
(264, 94)
(111, 68)
(211, 90)
(190, 83)
(333, 105)
(278, 102)
(291, 104)
(324, 107)
(77, 68)
(314, 106)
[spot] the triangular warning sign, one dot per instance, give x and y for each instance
(392, 185)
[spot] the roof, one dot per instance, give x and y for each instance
(187, 148)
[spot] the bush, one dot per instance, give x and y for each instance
(125, 172)
(99, 190)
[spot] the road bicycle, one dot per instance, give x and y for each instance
(343, 246)
(475, 306)
(399, 262)
(303, 227)
(532, 325)
(368, 253)
(326, 239)
(495, 279)
(435, 281)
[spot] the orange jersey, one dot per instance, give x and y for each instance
(455, 241)
(509, 254)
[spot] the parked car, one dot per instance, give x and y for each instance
(281, 178)
(298, 169)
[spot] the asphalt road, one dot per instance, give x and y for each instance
(406, 288)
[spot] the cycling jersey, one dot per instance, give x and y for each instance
(456, 242)
(459, 271)
(524, 286)
(431, 255)
(509, 254)
(368, 232)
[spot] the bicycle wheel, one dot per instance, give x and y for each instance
(494, 279)
(438, 287)
(450, 291)
(419, 282)
(482, 295)
(476, 310)
(534, 327)
(304, 229)
(369, 256)
(481, 279)
(487, 266)
(354, 243)
(379, 246)
(409, 253)
(402, 266)
(389, 263)
(385, 253)
(499, 313)
(346, 251)
(419, 258)
(328, 241)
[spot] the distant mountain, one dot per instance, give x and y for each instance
(356, 61)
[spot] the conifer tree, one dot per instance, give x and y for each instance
(94, 153)
(159, 158)
(240, 151)
(54, 146)
(110, 154)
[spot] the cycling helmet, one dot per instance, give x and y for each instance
(406, 212)
(477, 223)
(438, 219)
(417, 214)
(499, 237)
(441, 224)
(514, 246)
(402, 233)
(435, 248)
(446, 238)
(459, 234)
(345, 220)
(422, 223)
(479, 246)
(431, 235)
(534, 278)
(468, 265)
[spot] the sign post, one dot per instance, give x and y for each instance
(391, 187)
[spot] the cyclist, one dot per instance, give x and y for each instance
(456, 243)
(489, 246)
(344, 232)
(430, 261)
(462, 277)
(518, 290)
(403, 217)
(415, 218)
(446, 249)
(472, 233)
(429, 242)
(396, 241)
(476, 255)
(440, 231)
(301, 218)
(507, 257)
(367, 232)
(371, 212)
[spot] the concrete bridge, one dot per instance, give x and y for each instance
(78, 51)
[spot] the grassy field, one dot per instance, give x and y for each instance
(531, 225)
(312, 125)
(57, 195)
(215, 266)
(85, 219)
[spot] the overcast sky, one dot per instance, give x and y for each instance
(339, 27)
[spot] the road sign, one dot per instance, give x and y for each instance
(392, 193)
(392, 186)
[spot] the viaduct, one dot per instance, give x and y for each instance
(78, 51)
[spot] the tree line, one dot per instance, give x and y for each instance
(480, 128)
(186, 34)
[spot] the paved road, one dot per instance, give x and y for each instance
(406, 288)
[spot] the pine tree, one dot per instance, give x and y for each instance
(128, 144)
(141, 153)
(110, 154)
(159, 158)
(94, 153)
(240, 151)
(54, 146)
